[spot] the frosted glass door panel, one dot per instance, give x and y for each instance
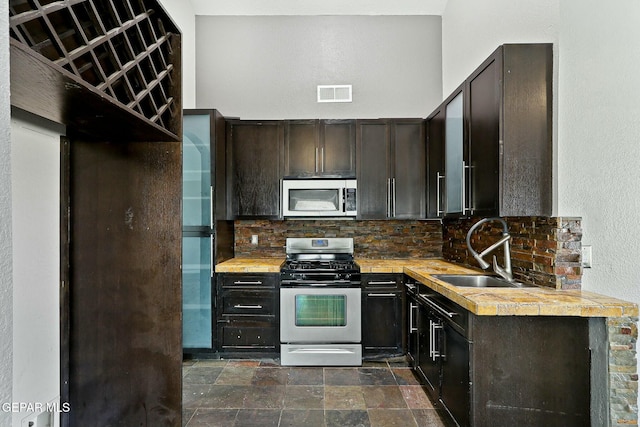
(197, 315)
(196, 292)
(196, 171)
(454, 168)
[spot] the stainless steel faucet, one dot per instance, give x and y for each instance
(504, 272)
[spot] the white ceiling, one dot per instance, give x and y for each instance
(318, 7)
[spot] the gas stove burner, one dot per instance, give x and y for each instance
(333, 265)
(315, 262)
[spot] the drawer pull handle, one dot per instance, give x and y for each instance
(257, 307)
(240, 282)
(437, 308)
(390, 282)
(381, 295)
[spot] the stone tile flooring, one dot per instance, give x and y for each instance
(261, 393)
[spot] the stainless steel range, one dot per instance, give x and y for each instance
(320, 304)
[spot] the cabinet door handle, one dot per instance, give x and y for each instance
(393, 195)
(212, 264)
(464, 188)
(322, 160)
(390, 282)
(466, 205)
(388, 197)
(439, 210)
(381, 295)
(256, 307)
(241, 282)
(411, 308)
(433, 340)
(317, 157)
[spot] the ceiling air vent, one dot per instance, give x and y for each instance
(334, 93)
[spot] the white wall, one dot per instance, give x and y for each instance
(268, 67)
(599, 129)
(35, 164)
(182, 14)
(6, 283)
(471, 31)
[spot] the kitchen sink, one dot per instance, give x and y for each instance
(478, 281)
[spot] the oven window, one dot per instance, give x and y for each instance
(313, 200)
(321, 310)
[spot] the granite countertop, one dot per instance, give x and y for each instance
(533, 301)
(250, 265)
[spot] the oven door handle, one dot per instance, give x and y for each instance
(333, 283)
(297, 284)
(322, 351)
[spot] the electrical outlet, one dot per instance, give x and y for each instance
(254, 239)
(586, 256)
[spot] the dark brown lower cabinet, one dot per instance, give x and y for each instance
(382, 315)
(411, 322)
(532, 371)
(495, 371)
(247, 307)
(427, 363)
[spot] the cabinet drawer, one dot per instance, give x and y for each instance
(382, 282)
(249, 280)
(243, 302)
(247, 335)
(457, 316)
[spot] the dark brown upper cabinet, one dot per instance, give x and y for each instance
(509, 111)
(435, 163)
(391, 168)
(505, 167)
(320, 148)
(254, 168)
(456, 156)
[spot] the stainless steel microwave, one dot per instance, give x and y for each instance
(319, 198)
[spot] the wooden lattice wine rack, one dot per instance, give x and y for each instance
(124, 49)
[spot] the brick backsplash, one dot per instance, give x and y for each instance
(372, 239)
(545, 251)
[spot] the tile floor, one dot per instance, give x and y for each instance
(261, 393)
